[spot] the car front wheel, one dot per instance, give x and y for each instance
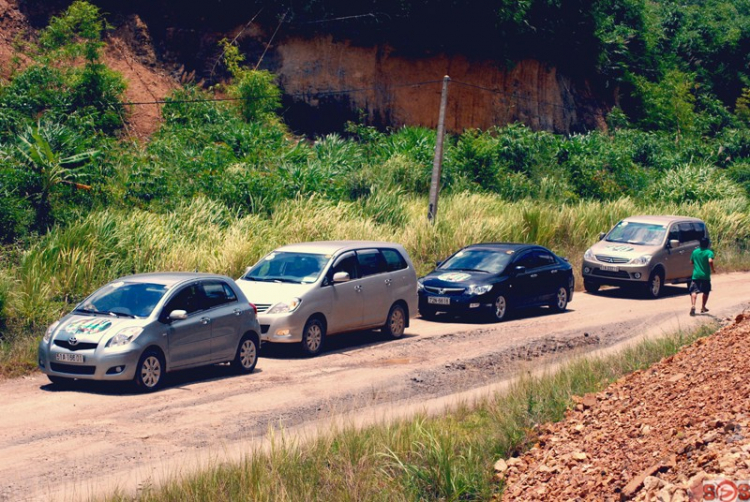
(654, 284)
(396, 322)
(499, 309)
(247, 355)
(149, 375)
(312, 337)
(590, 286)
(560, 303)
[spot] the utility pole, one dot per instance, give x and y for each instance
(437, 164)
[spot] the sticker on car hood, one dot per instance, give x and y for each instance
(454, 277)
(88, 326)
(622, 248)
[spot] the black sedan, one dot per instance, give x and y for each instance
(492, 279)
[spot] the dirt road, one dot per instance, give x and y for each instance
(88, 440)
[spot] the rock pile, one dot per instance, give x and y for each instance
(675, 432)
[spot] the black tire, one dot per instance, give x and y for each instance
(59, 381)
(591, 286)
(499, 310)
(313, 337)
(395, 324)
(655, 284)
(247, 355)
(149, 374)
(560, 303)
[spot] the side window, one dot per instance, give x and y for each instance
(216, 294)
(674, 233)
(371, 262)
(187, 299)
(688, 232)
(700, 229)
(393, 260)
(527, 260)
(544, 258)
(345, 263)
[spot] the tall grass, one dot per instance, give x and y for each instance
(448, 457)
(68, 263)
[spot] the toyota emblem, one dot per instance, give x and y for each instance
(73, 341)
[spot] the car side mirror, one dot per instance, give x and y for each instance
(601, 235)
(341, 277)
(520, 269)
(177, 315)
(673, 243)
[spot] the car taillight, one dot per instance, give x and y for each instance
(255, 309)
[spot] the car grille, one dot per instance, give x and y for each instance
(611, 259)
(73, 369)
(606, 273)
(444, 291)
(262, 307)
(79, 346)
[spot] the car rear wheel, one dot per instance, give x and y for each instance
(312, 337)
(654, 284)
(396, 322)
(499, 309)
(149, 375)
(590, 286)
(560, 303)
(247, 355)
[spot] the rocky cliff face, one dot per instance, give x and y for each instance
(326, 81)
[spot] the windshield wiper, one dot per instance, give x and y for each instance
(87, 311)
(469, 270)
(117, 314)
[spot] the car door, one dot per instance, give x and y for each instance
(399, 279)
(225, 312)
(680, 259)
(376, 285)
(347, 302)
(548, 276)
(525, 283)
(189, 339)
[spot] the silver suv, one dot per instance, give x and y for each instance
(647, 251)
(306, 291)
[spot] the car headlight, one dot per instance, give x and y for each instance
(285, 307)
(475, 289)
(50, 330)
(589, 255)
(641, 260)
(124, 337)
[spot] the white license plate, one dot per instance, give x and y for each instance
(70, 358)
(438, 300)
(610, 268)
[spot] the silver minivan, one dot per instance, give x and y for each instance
(645, 251)
(307, 291)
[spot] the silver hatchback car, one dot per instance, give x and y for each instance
(143, 326)
(306, 291)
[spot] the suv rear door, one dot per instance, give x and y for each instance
(376, 284)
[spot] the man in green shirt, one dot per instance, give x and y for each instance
(703, 264)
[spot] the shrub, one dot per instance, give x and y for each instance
(694, 183)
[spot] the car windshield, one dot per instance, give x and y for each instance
(121, 298)
(649, 234)
(280, 266)
(479, 260)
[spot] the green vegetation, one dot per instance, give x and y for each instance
(222, 182)
(447, 457)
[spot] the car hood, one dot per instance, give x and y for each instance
(622, 250)
(94, 328)
(258, 292)
(447, 278)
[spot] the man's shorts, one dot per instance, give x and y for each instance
(700, 286)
